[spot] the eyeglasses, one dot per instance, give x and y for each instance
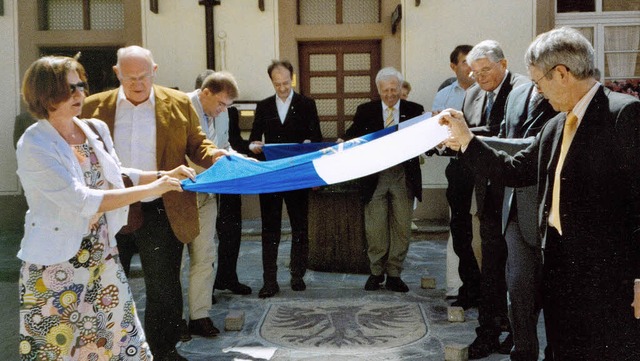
(78, 86)
(535, 82)
(482, 72)
(135, 79)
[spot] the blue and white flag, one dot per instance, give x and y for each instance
(341, 162)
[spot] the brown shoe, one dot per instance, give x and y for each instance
(203, 327)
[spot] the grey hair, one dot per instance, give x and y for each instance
(388, 73)
(489, 49)
(134, 51)
(563, 46)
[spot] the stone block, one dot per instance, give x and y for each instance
(456, 352)
(234, 320)
(428, 282)
(455, 314)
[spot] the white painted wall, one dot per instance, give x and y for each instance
(433, 29)
(176, 37)
(9, 98)
(246, 42)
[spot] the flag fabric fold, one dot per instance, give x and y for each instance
(337, 163)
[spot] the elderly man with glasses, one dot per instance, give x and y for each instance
(483, 108)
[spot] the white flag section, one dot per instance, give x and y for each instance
(356, 158)
(382, 153)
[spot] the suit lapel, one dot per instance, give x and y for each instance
(163, 111)
(292, 109)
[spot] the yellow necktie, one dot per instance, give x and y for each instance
(389, 120)
(569, 131)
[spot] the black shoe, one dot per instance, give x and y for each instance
(465, 303)
(297, 284)
(236, 288)
(396, 284)
(203, 327)
(483, 346)
(506, 345)
(183, 329)
(269, 290)
(374, 283)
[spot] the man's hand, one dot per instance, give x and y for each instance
(256, 147)
(460, 133)
(180, 172)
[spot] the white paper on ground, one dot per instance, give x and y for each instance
(265, 353)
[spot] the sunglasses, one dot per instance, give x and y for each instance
(78, 86)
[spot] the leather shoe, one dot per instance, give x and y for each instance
(269, 290)
(483, 346)
(506, 345)
(374, 283)
(297, 284)
(236, 288)
(203, 327)
(396, 284)
(183, 330)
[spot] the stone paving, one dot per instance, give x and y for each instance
(426, 258)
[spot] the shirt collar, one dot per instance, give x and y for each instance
(151, 100)
(396, 106)
(581, 106)
(288, 98)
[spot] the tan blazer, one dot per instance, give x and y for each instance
(178, 135)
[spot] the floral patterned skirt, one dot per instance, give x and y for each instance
(81, 309)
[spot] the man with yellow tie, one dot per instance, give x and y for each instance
(587, 167)
(388, 195)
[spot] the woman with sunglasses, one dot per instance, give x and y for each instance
(75, 301)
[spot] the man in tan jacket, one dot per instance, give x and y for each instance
(155, 127)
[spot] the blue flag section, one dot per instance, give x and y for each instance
(338, 163)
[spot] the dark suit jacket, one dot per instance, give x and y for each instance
(238, 143)
(474, 100)
(600, 203)
(472, 108)
(521, 131)
(368, 119)
(301, 123)
(178, 134)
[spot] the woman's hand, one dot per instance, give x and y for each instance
(181, 172)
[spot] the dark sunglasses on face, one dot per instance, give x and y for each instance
(78, 86)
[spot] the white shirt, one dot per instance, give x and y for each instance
(283, 106)
(135, 132)
(396, 112)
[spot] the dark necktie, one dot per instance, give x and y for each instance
(534, 101)
(488, 106)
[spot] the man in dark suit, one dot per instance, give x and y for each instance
(388, 195)
(525, 114)
(286, 117)
(484, 109)
(135, 110)
(586, 165)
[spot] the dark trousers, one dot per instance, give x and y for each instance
(229, 229)
(459, 192)
(492, 311)
(160, 255)
(524, 281)
(587, 292)
(271, 211)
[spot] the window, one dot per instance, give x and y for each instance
(317, 12)
(81, 14)
(613, 27)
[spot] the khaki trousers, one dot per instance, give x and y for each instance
(387, 220)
